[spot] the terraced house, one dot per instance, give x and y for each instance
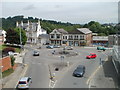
(77, 37)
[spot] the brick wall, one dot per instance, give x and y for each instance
(6, 63)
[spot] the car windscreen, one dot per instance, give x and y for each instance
(22, 82)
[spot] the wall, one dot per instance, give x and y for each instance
(6, 63)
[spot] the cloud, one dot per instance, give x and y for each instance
(29, 7)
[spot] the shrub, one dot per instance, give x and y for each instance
(12, 60)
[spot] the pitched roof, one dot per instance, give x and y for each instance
(62, 31)
(84, 30)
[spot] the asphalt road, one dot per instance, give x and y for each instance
(68, 81)
(39, 71)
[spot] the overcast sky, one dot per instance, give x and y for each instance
(73, 11)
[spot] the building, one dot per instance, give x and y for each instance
(57, 36)
(43, 39)
(2, 36)
(100, 40)
(112, 40)
(77, 37)
(33, 30)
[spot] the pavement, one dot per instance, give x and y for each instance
(105, 76)
(11, 80)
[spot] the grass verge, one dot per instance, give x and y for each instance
(7, 72)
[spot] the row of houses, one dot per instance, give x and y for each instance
(77, 37)
(36, 34)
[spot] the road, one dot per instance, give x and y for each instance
(39, 71)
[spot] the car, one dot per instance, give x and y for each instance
(12, 53)
(35, 53)
(79, 71)
(101, 48)
(24, 83)
(68, 48)
(49, 46)
(56, 46)
(92, 55)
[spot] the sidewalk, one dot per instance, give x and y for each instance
(106, 77)
(11, 80)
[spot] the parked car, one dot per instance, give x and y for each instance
(79, 71)
(101, 48)
(12, 53)
(92, 55)
(56, 46)
(35, 53)
(68, 48)
(24, 83)
(49, 46)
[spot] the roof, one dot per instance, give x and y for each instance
(23, 79)
(84, 30)
(100, 38)
(80, 31)
(62, 31)
(44, 36)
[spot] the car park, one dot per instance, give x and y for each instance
(49, 46)
(24, 83)
(101, 48)
(79, 71)
(92, 55)
(36, 53)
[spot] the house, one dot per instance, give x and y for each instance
(33, 30)
(77, 37)
(43, 39)
(100, 40)
(2, 36)
(80, 37)
(56, 36)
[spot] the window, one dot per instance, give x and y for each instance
(58, 36)
(65, 37)
(82, 37)
(52, 36)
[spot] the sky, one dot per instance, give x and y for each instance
(73, 11)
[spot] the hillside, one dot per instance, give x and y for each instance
(49, 25)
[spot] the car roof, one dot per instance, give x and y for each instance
(24, 79)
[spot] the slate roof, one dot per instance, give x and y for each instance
(62, 31)
(84, 30)
(44, 36)
(80, 31)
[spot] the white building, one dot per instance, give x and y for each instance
(33, 30)
(2, 36)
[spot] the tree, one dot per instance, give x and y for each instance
(13, 36)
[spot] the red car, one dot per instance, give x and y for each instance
(92, 55)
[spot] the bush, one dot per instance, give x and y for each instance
(12, 60)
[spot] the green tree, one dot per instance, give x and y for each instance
(13, 36)
(12, 60)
